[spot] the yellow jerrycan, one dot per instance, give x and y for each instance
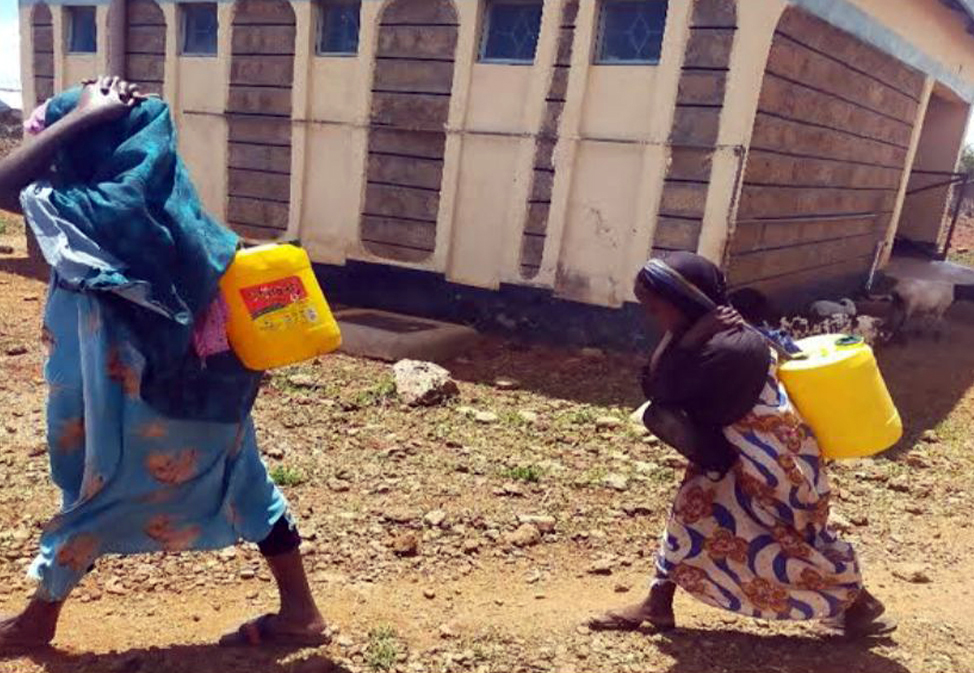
(278, 313)
(837, 387)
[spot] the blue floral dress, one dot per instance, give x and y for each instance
(132, 480)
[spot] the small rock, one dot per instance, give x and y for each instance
(525, 536)
(914, 573)
(601, 567)
(485, 417)
(6, 250)
(470, 546)
(115, 586)
(338, 485)
(247, 574)
(429, 594)
(540, 595)
(401, 516)
(637, 509)
(506, 384)
(528, 416)
(622, 588)
(840, 523)
(406, 544)
(276, 452)
(512, 489)
(931, 437)
(675, 462)
(607, 422)
(447, 631)
(900, 484)
(303, 381)
(423, 383)
(17, 350)
(860, 520)
(544, 523)
(916, 508)
(435, 518)
(917, 460)
(617, 482)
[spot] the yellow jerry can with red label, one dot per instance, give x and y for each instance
(278, 314)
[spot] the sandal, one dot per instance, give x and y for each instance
(262, 632)
(864, 619)
(614, 621)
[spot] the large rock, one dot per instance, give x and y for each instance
(423, 383)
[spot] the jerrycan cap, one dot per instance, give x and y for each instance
(849, 341)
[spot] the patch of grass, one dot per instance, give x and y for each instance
(582, 416)
(382, 652)
(593, 477)
(383, 391)
(512, 418)
(284, 475)
(527, 473)
(10, 223)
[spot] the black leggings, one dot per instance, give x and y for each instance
(283, 539)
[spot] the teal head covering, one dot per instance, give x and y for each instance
(123, 186)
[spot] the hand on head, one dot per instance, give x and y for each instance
(108, 98)
(719, 320)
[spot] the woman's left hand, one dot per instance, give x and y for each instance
(719, 320)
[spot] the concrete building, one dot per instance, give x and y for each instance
(475, 158)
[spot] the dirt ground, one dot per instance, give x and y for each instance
(363, 470)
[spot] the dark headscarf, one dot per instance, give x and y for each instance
(718, 383)
(688, 281)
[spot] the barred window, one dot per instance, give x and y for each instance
(511, 30)
(338, 27)
(631, 31)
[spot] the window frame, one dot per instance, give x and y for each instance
(321, 7)
(597, 52)
(183, 17)
(72, 12)
(485, 33)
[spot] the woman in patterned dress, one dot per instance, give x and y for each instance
(135, 474)
(749, 530)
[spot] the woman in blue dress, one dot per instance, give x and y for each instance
(151, 443)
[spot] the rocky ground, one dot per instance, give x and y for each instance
(478, 534)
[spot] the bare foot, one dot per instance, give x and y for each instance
(34, 628)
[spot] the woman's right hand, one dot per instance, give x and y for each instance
(720, 319)
(106, 99)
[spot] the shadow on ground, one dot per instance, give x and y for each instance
(731, 651)
(587, 377)
(929, 378)
(185, 659)
(24, 266)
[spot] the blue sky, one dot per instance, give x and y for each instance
(9, 44)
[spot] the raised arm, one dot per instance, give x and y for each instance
(103, 100)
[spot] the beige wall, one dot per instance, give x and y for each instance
(931, 27)
(611, 157)
(923, 216)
